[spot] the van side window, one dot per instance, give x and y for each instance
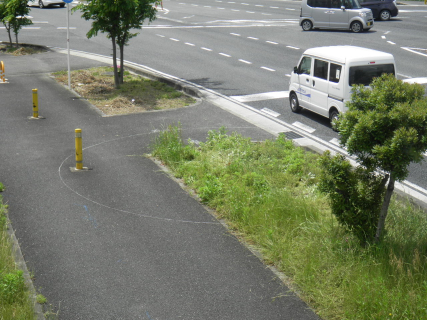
(319, 3)
(305, 66)
(321, 69)
(335, 73)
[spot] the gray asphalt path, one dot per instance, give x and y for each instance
(122, 240)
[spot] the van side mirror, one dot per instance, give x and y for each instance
(296, 70)
(342, 8)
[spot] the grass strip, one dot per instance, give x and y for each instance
(267, 192)
(15, 302)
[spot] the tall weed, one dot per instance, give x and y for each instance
(268, 192)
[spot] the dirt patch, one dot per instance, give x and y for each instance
(136, 94)
(22, 49)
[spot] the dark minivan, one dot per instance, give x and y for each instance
(381, 9)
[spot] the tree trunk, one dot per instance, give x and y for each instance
(384, 208)
(8, 32)
(116, 76)
(16, 37)
(122, 69)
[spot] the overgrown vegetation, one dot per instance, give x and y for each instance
(136, 94)
(14, 296)
(268, 192)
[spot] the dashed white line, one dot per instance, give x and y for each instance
(253, 38)
(262, 96)
(383, 37)
(272, 42)
(160, 35)
(291, 47)
(225, 55)
(206, 49)
(244, 61)
(235, 10)
(274, 7)
(190, 44)
(270, 112)
(36, 28)
(235, 34)
(391, 42)
(268, 69)
(173, 39)
(250, 11)
(259, 5)
(290, 9)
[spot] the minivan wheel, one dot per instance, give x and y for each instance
(41, 4)
(356, 27)
(307, 25)
(293, 101)
(333, 117)
(385, 15)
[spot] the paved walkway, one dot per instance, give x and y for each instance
(123, 240)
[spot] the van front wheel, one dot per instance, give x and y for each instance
(293, 101)
(333, 117)
(356, 27)
(307, 25)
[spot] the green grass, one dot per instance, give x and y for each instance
(14, 296)
(267, 192)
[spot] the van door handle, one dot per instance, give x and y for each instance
(307, 80)
(314, 83)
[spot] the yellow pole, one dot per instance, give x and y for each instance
(2, 71)
(35, 104)
(79, 151)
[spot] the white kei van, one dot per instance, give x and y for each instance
(322, 81)
(335, 14)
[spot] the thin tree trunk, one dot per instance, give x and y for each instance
(122, 69)
(384, 208)
(8, 32)
(116, 76)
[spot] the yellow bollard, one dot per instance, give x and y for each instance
(2, 78)
(79, 151)
(35, 104)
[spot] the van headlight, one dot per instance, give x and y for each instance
(362, 14)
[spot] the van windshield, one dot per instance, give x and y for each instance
(365, 74)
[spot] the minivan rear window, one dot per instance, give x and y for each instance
(365, 74)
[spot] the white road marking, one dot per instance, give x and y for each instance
(40, 21)
(272, 42)
(303, 126)
(160, 35)
(391, 42)
(206, 49)
(290, 9)
(291, 47)
(190, 44)
(244, 61)
(274, 7)
(36, 28)
(173, 39)
(250, 11)
(270, 112)
(225, 55)
(235, 34)
(253, 38)
(262, 96)
(414, 50)
(268, 69)
(235, 10)
(422, 80)
(383, 37)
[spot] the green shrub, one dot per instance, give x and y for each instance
(355, 195)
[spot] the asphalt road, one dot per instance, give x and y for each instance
(244, 48)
